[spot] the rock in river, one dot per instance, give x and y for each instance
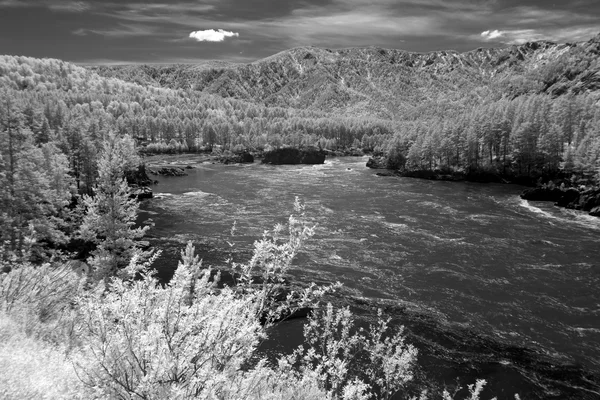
(290, 155)
(169, 171)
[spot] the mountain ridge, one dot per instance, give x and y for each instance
(373, 80)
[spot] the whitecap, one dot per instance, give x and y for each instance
(158, 196)
(536, 210)
(568, 216)
(199, 193)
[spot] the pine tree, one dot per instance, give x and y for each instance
(110, 214)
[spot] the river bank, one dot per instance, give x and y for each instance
(575, 195)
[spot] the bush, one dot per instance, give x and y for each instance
(184, 340)
(41, 299)
(346, 356)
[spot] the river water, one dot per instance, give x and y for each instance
(490, 286)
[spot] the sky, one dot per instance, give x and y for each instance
(190, 31)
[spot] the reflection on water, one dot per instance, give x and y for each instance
(475, 255)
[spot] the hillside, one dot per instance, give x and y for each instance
(384, 82)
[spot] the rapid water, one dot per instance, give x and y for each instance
(472, 257)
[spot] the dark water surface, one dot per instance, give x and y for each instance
(472, 258)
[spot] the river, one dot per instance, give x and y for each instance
(514, 285)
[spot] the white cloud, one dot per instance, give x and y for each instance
(211, 35)
(515, 36)
(489, 35)
(521, 36)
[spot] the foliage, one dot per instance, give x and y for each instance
(35, 186)
(183, 341)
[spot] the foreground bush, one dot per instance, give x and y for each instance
(41, 299)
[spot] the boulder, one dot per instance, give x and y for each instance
(595, 212)
(290, 155)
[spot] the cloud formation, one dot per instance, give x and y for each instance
(211, 35)
(520, 36)
(488, 35)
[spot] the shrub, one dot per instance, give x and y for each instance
(41, 299)
(346, 356)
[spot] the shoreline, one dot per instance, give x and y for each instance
(585, 198)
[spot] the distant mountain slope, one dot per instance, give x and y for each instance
(383, 82)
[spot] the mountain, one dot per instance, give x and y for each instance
(380, 82)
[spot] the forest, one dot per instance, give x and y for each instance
(69, 138)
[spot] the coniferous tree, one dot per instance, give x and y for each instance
(109, 219)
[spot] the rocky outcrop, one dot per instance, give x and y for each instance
(239, 158)
(377, 163)
(584, 200)
(139, 177)
(290, 155)
(139, 182)
(169, 171)
(587, 200)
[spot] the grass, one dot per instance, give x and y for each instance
(34, 369)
